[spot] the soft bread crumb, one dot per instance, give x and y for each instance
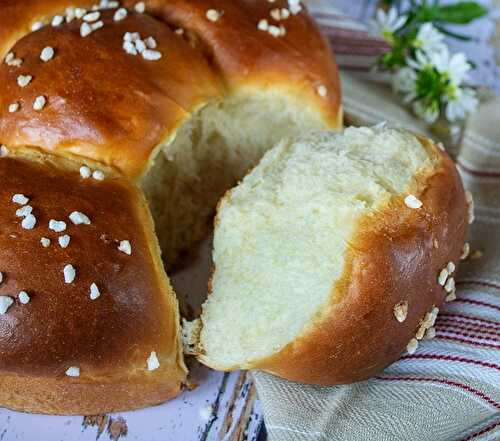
(191, 336)
(209, 154)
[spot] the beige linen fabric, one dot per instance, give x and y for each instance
(450, 388)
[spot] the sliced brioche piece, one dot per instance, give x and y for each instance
(318, 246)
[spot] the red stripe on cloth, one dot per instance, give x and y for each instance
(469, 342)
(470, 317)
(478, 282)
(481, 432)
(346, 49)
(478, 335)
(440, 357)
(462, 386)
(445, 326)
(445, 321)
(480, 173)
(355, 37)
(477, 302)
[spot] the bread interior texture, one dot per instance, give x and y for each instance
(283, 232)
(208, 155)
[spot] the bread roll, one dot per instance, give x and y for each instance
(327, 256)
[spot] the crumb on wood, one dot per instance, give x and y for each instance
(192, 385)
(117, 428)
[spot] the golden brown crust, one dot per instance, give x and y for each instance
(62, 396)
(109, 338)
(392, 258)
(102, 103)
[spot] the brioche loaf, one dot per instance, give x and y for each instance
(102, 108)
(333, 256)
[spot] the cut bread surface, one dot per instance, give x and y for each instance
(209, 153)
(282, 235)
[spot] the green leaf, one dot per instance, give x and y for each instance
(453, 34)
(460, 13)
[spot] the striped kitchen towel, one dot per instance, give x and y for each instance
(450, 388)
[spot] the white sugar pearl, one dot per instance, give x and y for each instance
(24, 211)
(85, 172)
(23, 297)
(5, 303)
(69, 273)
(47, 54)
(57, 226)
(20, 199)
(79, 218)
(39, 102)
(125, 247)
(94, 291)
(45, 242)
(29, 222)
(412, 202)
(120, 14)
(98, 175)
(140, 7)
(64, 241)
(153, 362)
(151, 55)
(73, 371)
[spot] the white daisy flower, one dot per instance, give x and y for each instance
(405, 82)
(428, 113)
(429, 39)
(461, 103)
(455, 66)
(386, 24)
(421, 61)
